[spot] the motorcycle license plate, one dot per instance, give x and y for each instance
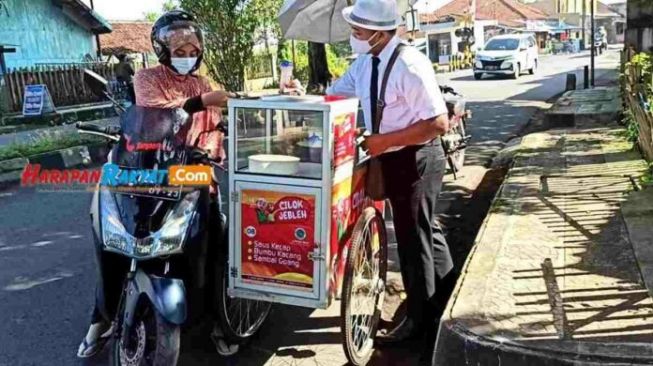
(164, 192)
(172, 193)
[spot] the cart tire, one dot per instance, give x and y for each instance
(231, 312)
(359, 330)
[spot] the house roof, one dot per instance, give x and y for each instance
(127, 37)
(79, 12)
(603, 10)
(505, 12)
(403, 33)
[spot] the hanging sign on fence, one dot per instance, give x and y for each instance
(37, 100)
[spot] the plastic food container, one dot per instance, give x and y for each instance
(311, 148)
(274, 164)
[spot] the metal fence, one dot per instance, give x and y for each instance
(65, 83)
(638, 96)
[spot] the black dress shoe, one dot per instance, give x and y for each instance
(405, 331)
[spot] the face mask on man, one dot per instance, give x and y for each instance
(362, 47)
(183, 65)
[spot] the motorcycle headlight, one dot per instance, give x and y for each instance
(170, 238)
(167, 240)
(114, 235)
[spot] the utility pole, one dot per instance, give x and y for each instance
(413, 25)
(584, 21)
(593, 65)
(97, 39)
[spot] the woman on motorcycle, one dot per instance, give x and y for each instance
(178, 43)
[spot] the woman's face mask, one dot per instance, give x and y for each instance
(183, 65)
(362, 47)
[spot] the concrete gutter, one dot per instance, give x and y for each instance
(552, 278)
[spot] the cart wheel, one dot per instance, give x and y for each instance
(364, 286)
(239, 319)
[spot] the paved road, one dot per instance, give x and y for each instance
(502, 106)
(47, 273)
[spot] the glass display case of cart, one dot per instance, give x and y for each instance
(279, 142)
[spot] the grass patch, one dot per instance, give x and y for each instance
(45, 144)
(631, 133)
(647, 179)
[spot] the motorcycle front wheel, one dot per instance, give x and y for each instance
(152, 341)
(457, 158)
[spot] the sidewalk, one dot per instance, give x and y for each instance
(559, 270)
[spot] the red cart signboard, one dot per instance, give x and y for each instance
(277, 239)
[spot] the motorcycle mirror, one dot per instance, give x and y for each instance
(96, 83)
(99, 87)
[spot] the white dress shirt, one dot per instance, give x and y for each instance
(412, 92)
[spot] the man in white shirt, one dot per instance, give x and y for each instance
(411, 153)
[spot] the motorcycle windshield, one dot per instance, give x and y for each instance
(152, 141)
(152, 138)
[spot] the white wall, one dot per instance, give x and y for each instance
(479, 31)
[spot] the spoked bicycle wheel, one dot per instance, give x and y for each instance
(364, 286)
(239, 319)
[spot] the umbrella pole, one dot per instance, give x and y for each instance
(292, 44)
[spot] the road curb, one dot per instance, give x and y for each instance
(82, 113)
(72, 157)
(461, 338)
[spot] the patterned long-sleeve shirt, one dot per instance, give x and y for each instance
(160, 87)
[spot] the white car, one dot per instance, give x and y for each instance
(509, 54)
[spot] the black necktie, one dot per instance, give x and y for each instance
(374, 92)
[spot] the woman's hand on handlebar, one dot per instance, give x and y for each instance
(202, 156)
(219, 98)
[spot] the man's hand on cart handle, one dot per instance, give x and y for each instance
(295, 87)
(375, 145)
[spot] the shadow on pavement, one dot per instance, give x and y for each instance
(564, 278)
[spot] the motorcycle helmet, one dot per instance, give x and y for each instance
(175, 29)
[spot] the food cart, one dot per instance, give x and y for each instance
(302, 231)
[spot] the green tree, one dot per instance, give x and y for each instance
(168, 5)
(341, 49)
(230, 32)
(319, 67)
(151, 16)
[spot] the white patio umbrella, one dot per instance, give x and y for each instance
(317, 21)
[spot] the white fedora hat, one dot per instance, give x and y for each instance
(373, 14)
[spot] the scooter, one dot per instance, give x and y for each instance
(172, 239)
(600, 43)
(455, 141)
